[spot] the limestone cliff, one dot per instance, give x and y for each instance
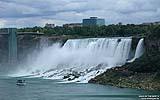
(143, 73)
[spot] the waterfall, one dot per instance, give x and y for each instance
(139, 50)
(12, 45)
(44, 42)
(79, 60)
(102, 49)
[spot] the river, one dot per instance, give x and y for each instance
(45, 89)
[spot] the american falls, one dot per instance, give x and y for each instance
(79, 60)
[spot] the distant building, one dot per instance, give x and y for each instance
(152, 23)
(71, 25)
(120, 23)
(50, 25)
(147, 23)
(156, 23)
(93, 21)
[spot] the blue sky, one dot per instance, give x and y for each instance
(28, 13)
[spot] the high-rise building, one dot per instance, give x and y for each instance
(93, 21)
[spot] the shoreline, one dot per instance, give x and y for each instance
(122, 78)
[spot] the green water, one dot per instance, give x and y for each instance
(42, 89)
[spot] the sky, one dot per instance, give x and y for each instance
(29, 13)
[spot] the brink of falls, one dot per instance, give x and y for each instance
(79, 60)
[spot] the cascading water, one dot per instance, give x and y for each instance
(79, 60)
(139, 50)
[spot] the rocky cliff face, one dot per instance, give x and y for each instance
(152, 45)
(149, 62)
(143, 73)
(3, 48)
(27, 44)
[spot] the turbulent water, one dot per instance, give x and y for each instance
(79, 60)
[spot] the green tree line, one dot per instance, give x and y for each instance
(98, 31)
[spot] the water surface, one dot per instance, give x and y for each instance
(43, 89)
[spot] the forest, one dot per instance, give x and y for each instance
(98, 31)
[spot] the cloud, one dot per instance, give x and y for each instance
(2, 23)
(28, 22)
(35, 12)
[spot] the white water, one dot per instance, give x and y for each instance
(85, 58)
(139, 50)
